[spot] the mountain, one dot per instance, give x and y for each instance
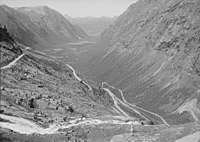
(53, 22)
(14, 21)
(39, 26)
(152, 53)
(46, 100)
(92, 25)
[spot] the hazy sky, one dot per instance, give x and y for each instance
(78, 8)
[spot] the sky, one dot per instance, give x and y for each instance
(78, 8)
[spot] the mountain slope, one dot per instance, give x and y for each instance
(39, 26)
(53, 22)
(152, 53)
(14, 21)
(38, 87)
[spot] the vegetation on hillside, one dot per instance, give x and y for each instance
(5, 36)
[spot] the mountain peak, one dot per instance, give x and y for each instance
(3, 6)
(37, 9)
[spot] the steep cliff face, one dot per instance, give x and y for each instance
(39, 26)
(152, 53)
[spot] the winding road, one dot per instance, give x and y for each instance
(129, 105)
(78, 78)
(115, 102)
(143, 109)
(115, 99)
(13, 62)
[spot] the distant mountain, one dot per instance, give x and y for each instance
(40, 25)
(92, 25)
(53, 23)
(152, 53)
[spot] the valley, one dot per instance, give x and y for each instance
(132, 78)
(26, 126)
(115, 100)
(149, 57)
